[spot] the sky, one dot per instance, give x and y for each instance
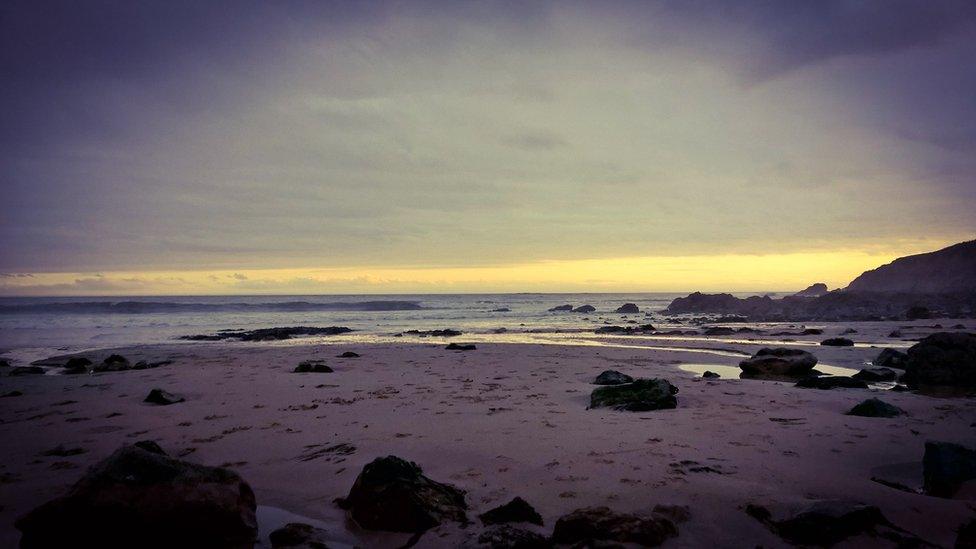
(412, 147)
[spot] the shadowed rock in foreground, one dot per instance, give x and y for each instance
(825, 523)
(942, 359)
(874, 407)
(946, 466)
(393, 494)
(269, 334)
(640, 396)
(593, 526)
(780, 361)
(517, 510)
(138, 498)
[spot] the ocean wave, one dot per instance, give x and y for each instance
(148, 307)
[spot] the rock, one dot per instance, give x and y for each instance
(269, 334)
(561, 308)
(349, 354)
(12, 394)
(447, 332)
(62, 451)
(811, 332)
(510, 537)
(393, 494)
(114, 363)
(298, 535)
(676, 513)
(596, 524)
(719, 331)
(946, 466)
(136, 498)
(813, 290)
(460, 347)
(895, 334)
(942, 359)
(779, 361)
(873, 407)
(584, 309)
(4, 364)
(161, 397)
(890, 358)
(848, 331)
(640, 396)
(708, 374)
(517, 510)
(151, 446)
(628, 308)
(310, 366)
(837, 342)
(612, 377)
(825, 523)
(966, 539)
(76, 365)
(611, 329)
(831, 382)
(26, 371)
(918, 312)
(876, 374)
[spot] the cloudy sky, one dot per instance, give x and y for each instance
(293, 147)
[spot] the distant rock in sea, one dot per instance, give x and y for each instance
(584, 309)
(628, 308)
(814, 290)
(269, 334)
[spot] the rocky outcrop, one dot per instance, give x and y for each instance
(779, 361)
(946, 466)
(890, 358)
(446, 332)
(595, 526)
(313, 366)
(612, 377)
(875, 374)
(814, 290)
(269, 334)
(162, 398)
(837, 342)
(298, 535)
(946, 271)
(942, 359)
(874, 407)
(826, 523)
(584, 309)
(640, 396)
(113, 363)
(561, 308)
(76, 365)
(393, 494)
(517, 510)
(708, 374)
(510, 537)
(628, 308)
(137, 498)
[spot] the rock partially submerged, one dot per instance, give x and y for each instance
(890, 358)
(874, 407)
(831, 382)
(584, 309)
(612, 377)
(942, 359)
(837, 342)
(313, 366)
(594, 526)
(393, 494)
(137, 498)
(946, 466)
(826, 523)
(876, 374)
(162, 398)
(779, 361)
(269, 334)
(628, 308)
(640, 396)
(517, 510)
(560, 308)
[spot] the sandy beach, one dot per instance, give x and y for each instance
(505, 420)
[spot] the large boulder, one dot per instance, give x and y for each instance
(612, 377)
(517, 510)
(628, 308)
(876, 374)
(137, 498)
(113, 363)
(76, 365)
(946, 466)
(826, 523)
(640, 396)
(393, 494)
(890, 358)
(779, 361)
(942, 359)
(312, 366)
(874, 407)
(594, 525)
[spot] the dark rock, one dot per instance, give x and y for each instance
(310, 366)
(517, 510)
(136, 498)
(825, 523)
(918, 312)
(895, 334)
(811, 332)
(837, 342)
(4, 364)
(298, 535)
(510, 537)
(12, 394)
(26, 371)
(584, 309)
(62, 451)
(596, 524)
(946, 271)
(349, 354)
(640, 396)
(676, 513)
(447, 332)
(779, 361)
(831, 382)
(848, 331)
(813, 290)
(946, 466)
(162, 398)
(966, 539)
(876, 374)
(719, 331)
(611, 329)
(873, 407)
(890, 358)
(612, 377)
(501, 310)
(393, 494)
(151, 446)
(710, 375)
(76, 365)
(628, 308)
(942, 359)
(269, 334)
(561, 308)
(460, 347)
(114, 363)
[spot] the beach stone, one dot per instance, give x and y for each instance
(612, 377)
(517, 510)
(942, 359)
(876, 374)
(837, 342)
(136, 498)
(76, 365)
(460, 347)
(946, 466)
(309, 366)
(874, 407)
(779, 361)
(349, 354)
(113, 363)
(628, 308)
(890, 358)
(640, 396)
(595, 524)
(510, 537)
(561, 308)
(393, 494)
(26, 371)
(162, 398)
(298, 535)
(708, 374)
(584, 309)
(719, 331)
(825, 523)
(831, 382)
